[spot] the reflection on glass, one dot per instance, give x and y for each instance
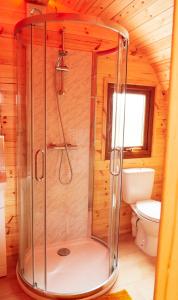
(118, 105)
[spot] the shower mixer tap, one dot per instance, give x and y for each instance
(52, 146)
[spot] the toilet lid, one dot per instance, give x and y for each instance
(150, 209)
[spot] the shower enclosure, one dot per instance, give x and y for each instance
(68, 193)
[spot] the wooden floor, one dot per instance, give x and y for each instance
(136, 274)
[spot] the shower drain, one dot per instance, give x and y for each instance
(63, 252)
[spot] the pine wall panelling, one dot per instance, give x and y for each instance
(10, 13)
(139, 72)
(149, 23)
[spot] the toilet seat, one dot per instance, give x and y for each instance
(149, 209)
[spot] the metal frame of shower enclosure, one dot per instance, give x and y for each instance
(78, 18)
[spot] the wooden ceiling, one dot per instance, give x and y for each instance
(149, 23)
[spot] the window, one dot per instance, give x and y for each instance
(138, 120)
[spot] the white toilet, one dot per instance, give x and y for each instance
(137, 185)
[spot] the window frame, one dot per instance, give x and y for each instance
(146, 149)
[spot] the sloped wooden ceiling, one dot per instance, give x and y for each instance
(149, 23)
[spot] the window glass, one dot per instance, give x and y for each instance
(134, 120)
(139, 105)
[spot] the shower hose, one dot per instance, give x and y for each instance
(66, 150)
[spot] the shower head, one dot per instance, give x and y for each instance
(60, 66)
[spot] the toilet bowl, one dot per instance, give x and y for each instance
(137, 190)
(146, 215)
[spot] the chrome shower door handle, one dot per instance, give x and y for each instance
(115, 161)
(37, 176)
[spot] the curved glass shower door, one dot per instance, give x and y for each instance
(31, 145)
(68, 190)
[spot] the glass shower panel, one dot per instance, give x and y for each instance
(106, 72)
(68, 192)
(68, 124)
(24, 157)
(117, 143)
(38, 128)
(107, 173)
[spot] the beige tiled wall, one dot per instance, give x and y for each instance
(66, 205)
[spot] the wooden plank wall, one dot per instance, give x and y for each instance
(149, 24)
(139, 72)
(166, 286)
(10, 13)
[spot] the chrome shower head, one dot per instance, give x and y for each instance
(60, 66)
